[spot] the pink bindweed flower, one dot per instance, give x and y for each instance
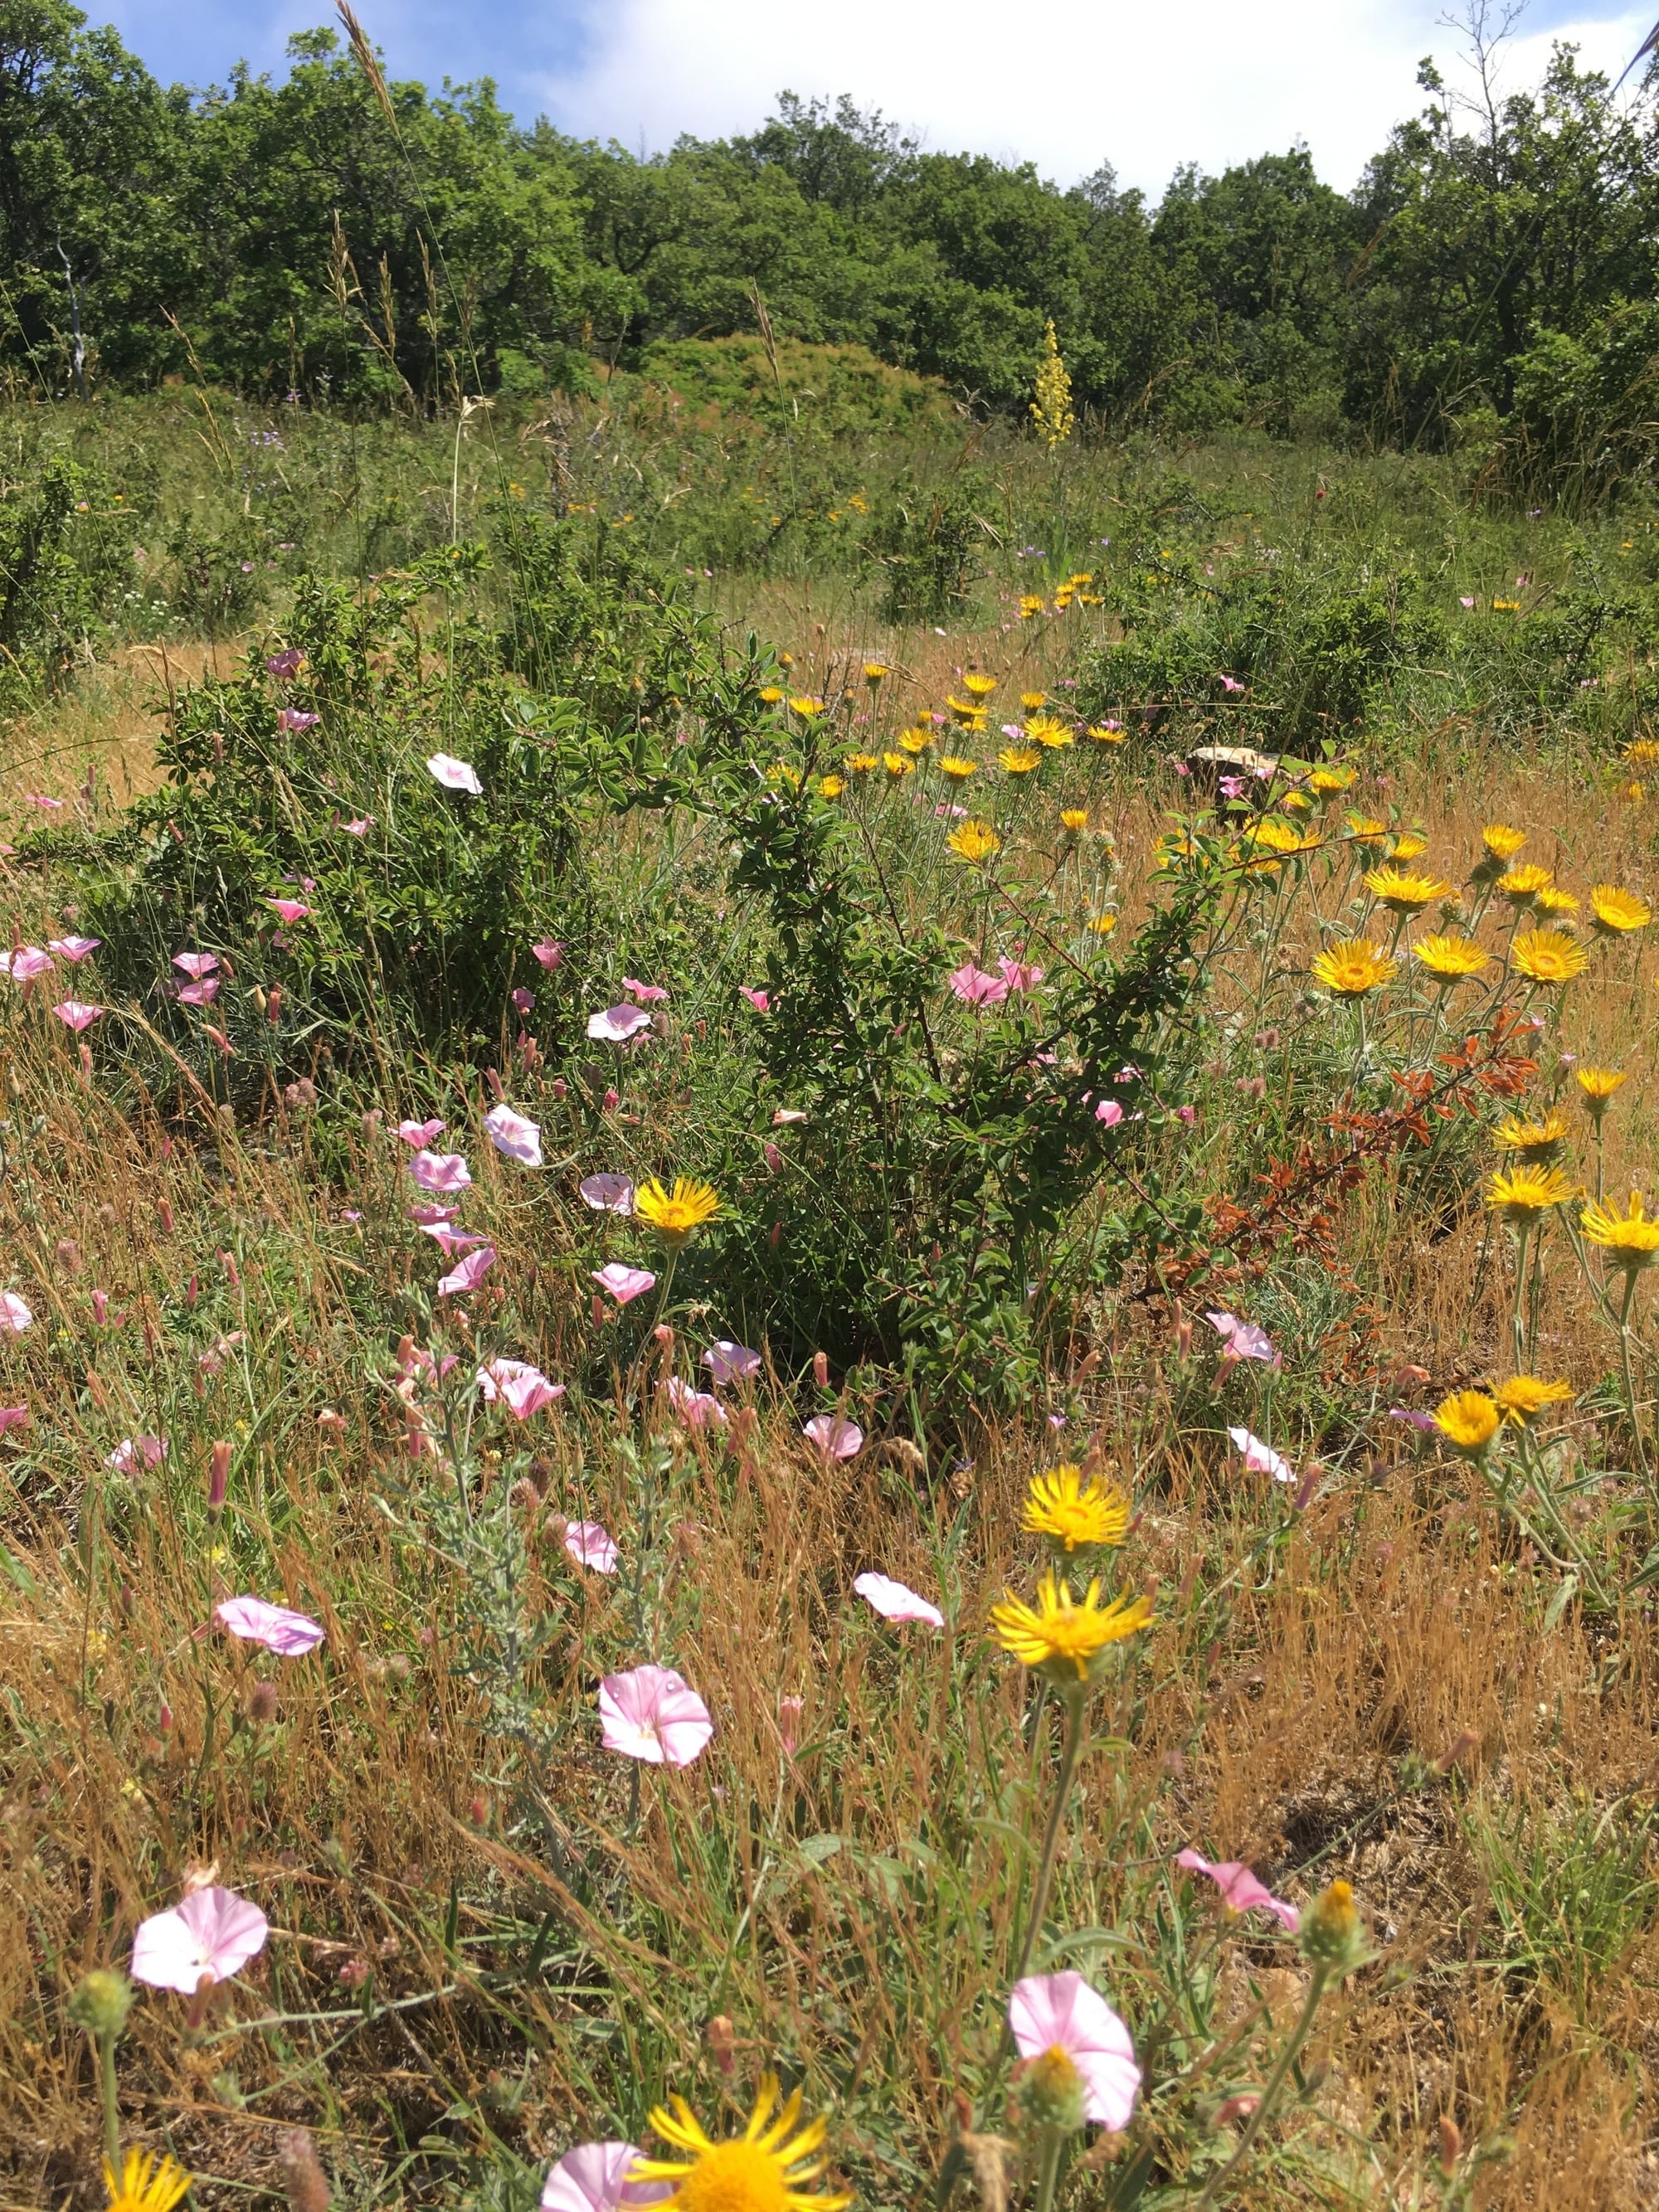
(47, 805)
(26, 963)
(359, 826)
(549, 950)
(12, 1416)
(290, 1635)
(615, 1024)
(760, 1000)
(974, 987)
(786, 1116)
(195, 964)
(1232, 787)
(440, 1171)
(522, 1389)
(731, 1363)
(73, 949)
(454, 775)
(1019, 975)
(791, 1713)
(514, 1136)
(593, 2178)
(835, 1439)
(652, 1714)
(1108, 1113)
(523, 1001)
(199, 995)
(897, 1600)
(1240, 1890)
(1243, 1340)
(697, 1408)
(1260, 1458)
(77, 1015)
(468, 1273)
(292, 720)
(1231, 683)
(1466, 600)
(134, 1452)
(648, 994)
(1187, 1115)
(15, 1315)
(212, 1932)
(607, 1194)
(624, 1283)
(1414, 1417)
(428, 1215)
(591, 1545)
(289, 910)
(1061, 2013)
(451, 1242)
(419, 1134)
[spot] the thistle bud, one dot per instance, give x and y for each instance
(1333, 1935)
(1052, 2092)
(100, 2001)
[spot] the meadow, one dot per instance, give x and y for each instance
(813, 1212)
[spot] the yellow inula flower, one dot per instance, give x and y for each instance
(1363, 831)
(1629, 1240)
(1523, 1398)
(1019, 760)
(1073, 1514)
(1552, 901)
(1531, 1141)
(966, 711)
(1598, 1085)
(1353, 968)
(1451, 958)
(1547, 955)
(1104, 735)
(1060, 1634)
(1506, 607)
(898, 764)
(1522, 885)
(1468, 1421)
(1407, 845)
(860, 763)
(973, 842)
(1501, 841)
(762, 2170)
(676, 1214)
(1029, 606)
(145, 2183)
(977, 686)
(1522, 1194)
(1033, 701)
(952, 764)
(831, 786)
(1048, 731)
(874, 671)
(915, 741)
(1103, 925)
(1074, 819)
(785, 773)
(1402, 892)
(1283, 837)
(771, 694)
(1328, 781)
(1642, 752)
(807, 708)
(1616, 913)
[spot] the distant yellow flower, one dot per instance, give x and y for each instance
(1408, 846)
(1033, 702)
(1103, 925)
(1522, 885)
(1353, 968)
(1506, 607)
(784, 773)
(1451, 958)
(1402, 892)
(1048, 731)
(1329, 781)
(1552, 901)
(831, 786)
(1029, 606)
(968, 712)
(145, 2183)
(1363, 831)
(1074, 1513)
(1019, 760)
(1629, 1240)
(1642, 752)
(1059, 1634)
(1616, 913)
(807, 708)
(953, 765)
(973, 842)
(1074, 819)
(1468, 1421)
(765, 2169)
(1296, 802)
(771, 694)
(898, 764)
(1283, 837)
(1104, 734)
(1531, 1142)
(1502, 842)
(676, 1215)
(978, 686)
(1631, 794)
(860, 763)
(1547, 955)
(1523, 1398)
(874, 672)
(1598, 1085)
(1523, 1194)
(915, 741)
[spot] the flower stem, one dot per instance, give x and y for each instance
(1624, 1304)
(1075, 1699)
(1054, 2141)
(1258, 2118)
(111, 2108)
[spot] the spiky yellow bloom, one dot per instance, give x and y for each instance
(1522, 1194)
(1296, 802)
(1353, 968)
(1408, 846)
(1547, 955)
(772, 695)
(1059, 1633)
(874, 672)
(1501, 841)
(1074, 819)
(860, 763)
(1103, 925)
(1522, 885)
(784, 773)
(898, 764)
(1033, 701)
(1019, 760)
(1506, 607)
(1618, 913)
(762, 2170)
(145, 2183)
(1328, 781)
(953, 765)
(1629, 1240)
(1523, 1398)
(968, 712)
(1075, 1515)
(1029, 606)
(975, 842)
(978, 686)
(1402, 892)
(1451, 958)
(831, 786)
(1363, 831)
(807, 708)
(1552, 901)
(676, 1214)
(1642, 752)
(1598, 1085)
(1531, 1142)
(1104, 734)
(1285, 837)
(915, 741)
(1048, 731)
(1468, 1421)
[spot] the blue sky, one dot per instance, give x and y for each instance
(1143, 87)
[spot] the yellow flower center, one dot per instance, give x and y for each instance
(732, 2177)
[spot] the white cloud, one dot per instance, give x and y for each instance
(1141, 85)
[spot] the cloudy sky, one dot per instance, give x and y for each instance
(1143, 86)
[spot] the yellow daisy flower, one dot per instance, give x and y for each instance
(860, 763)
(772, 695)
(1033, 702)
(1059, 1634)
(1353, 968)
(1642, 752)
(975, 842)
(1598, 1085)
(898, 764)
(1019, 760)
(145, 2183)
(1502, 842)
(1531, 1142)
(1523, 1398)
(1468, 1421)
(1522, 1194)
(807, 708)
(1402, 892)
(979, 687)
(1074, 1514)
(1363, 831)
(1074, 819)
(1103, 735)
(1048, 731)
(1618, 913)
(762, 2170)
(874, 672)
(915, 741)
(953, 765)
(1408, 846)
(1103, 925)
(677, 1214)
(1629, 1240)
(1329, 781)
(831, 786)
(1552, 901)
(1451, 958)
(1547, 955)
(1028, 607)
(1522, 885)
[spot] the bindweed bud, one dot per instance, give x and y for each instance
(1333, 1935)
(790, 1713)
(1451, 2145)
(218, 1476)
(722, 2038)
(821, 1369)
(100, 2000)
(1052, 2094)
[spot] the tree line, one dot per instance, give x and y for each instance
(322, 236)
